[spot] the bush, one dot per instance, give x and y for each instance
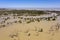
(48, 19)
(38, 20)
(29, 34)
(20, 21)
(3, 25)
(40, 30)
(15, 21)
(14, 35)
(29, 22)
(54, 19)
(32, 20)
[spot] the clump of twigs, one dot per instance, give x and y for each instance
(40, 30)
(29, 34)
(14, 36)
(54, 28)
(57, 26)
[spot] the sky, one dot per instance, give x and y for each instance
(29, 3)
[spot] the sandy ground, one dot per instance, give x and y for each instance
(30, 31)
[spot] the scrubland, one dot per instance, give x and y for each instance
(17, 27)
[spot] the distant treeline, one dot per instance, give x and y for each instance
(23, 12)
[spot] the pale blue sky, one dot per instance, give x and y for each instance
(29, 3)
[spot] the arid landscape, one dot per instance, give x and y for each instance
(29, 25)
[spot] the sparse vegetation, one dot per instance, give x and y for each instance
(38, 19)
(54, 18)
(40, 30)
(35, 28)
(54, 28)
(20, 21)
(5, 14)
(32, 20)
(57, 26)
(29, 34)
(48, 18)
(1, 26)
(28, 21)
(26, 31)
(14, 35)
(15, 21)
